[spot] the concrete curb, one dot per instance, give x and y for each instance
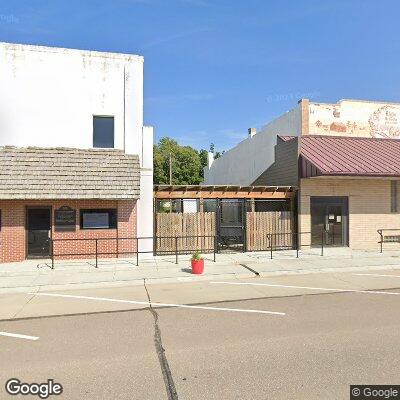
(238, 272)
(121, 283)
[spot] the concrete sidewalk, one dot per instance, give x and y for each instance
(37, 275)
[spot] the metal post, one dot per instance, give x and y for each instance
(137, 252)
(270, 243)
(96, 254)
(176, 250)
(52, 253)
(322, 243)
(297, 244)
(215, 248)
(170, 168)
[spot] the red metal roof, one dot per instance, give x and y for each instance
(337, 155)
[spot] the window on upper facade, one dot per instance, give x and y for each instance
(103, 132)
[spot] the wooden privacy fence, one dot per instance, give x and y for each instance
(182, 226)
(277, 223)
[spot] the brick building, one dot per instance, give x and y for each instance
(344, 159)
(75, 158)
(66, 194)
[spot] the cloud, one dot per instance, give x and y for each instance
(179, 98)
(174, 37)
(233, 134)
(198, 3)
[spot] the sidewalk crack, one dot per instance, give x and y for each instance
(23, 307)
(165, 369)
(256, 273)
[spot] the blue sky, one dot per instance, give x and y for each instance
(213, 68)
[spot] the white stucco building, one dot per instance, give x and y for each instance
(245, 162)
(54, 98)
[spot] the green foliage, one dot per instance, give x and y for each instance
(203, 158)
(197, 256)
(187, 163)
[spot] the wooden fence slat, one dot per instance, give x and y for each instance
(183, 225)
(260, 224)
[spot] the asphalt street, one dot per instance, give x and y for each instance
(314, 347)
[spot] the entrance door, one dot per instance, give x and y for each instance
(329, 219)
(231, 225)
(38, 232)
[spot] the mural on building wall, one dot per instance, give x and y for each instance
(355, 118)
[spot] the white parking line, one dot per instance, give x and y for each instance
(308, 288)
(159, 304)
(390, 276)
(19, 336)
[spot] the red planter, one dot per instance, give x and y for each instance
(197, 267)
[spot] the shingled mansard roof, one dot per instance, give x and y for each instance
(348, 156)
(60, 173)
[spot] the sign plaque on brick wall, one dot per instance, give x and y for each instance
(65, 219)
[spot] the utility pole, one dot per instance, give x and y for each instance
(170, 168)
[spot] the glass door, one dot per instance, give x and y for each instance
(317, 223)
(334, 225)
(38, 232)
(329, 218)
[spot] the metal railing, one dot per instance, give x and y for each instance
(388, 238)
(273, 243)
(134, 250)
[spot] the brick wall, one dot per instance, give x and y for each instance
(13, 233)
(369, 208)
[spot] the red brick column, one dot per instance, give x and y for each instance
(12, 233)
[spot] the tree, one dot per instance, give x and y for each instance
(186, 163)
(217, 154)
(203, 158)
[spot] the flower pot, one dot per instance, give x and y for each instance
(198, 266)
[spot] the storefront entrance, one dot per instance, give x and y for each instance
(230, 227)
(329, 221)
(38, 223)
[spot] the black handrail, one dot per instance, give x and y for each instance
(271, 237)
(382, 236)
(136, 251)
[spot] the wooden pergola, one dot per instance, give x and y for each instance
(223, 192)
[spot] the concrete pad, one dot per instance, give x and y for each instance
(199, 292)
(18, 280)
(26, 276)
(108, 356)
(392, 280)
(310, 284)
(12, 304)
(47, 306)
